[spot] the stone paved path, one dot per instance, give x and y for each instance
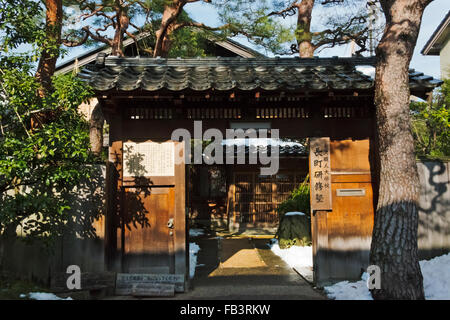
(244, 269)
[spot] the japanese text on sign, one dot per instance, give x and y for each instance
(320, 178)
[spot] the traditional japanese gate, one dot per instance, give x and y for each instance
(150, 98)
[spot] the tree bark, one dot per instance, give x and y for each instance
(394, 242)
(304, 37)
(96, 130)
(122, 23)
(170, 15)
(47, 61)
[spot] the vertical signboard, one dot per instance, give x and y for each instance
(320, 174)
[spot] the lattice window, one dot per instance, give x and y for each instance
(149, 113)
(257, 197)
(213, 113)
(289, 112)
(345, 112)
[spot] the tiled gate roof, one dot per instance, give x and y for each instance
(312, 74)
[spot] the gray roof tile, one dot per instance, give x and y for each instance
(152, 74)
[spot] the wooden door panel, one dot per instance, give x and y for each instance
(148, 245)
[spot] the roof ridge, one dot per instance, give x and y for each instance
(235, 61)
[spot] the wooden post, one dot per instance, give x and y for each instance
(180, 235)
(321, 203)
(113, 241)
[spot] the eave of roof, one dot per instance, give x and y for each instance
(441, 32)
(91, 56)
(290, 74)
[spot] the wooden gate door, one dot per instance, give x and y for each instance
(153, 210)
(342, 237)
(148, 244)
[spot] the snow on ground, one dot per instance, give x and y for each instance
(43, 296)
(436, 275)
(346, 290)
(196, 232)
(294, 213)
(193, 251)
(260, 142)
(294, 256)
(436, 282)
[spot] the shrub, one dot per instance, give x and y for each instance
(295, 229)
(297, 201)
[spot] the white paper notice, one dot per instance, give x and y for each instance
(149, 159)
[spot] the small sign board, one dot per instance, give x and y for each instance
(320, 174)
(152, 290)
(125, 282)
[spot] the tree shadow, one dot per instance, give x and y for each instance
(439, 188)
(134, 211)
(434, 222)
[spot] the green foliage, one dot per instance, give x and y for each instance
(431, 125)
(295, 229)
(297, 201)
(187, 43)
(19, 23)
(12, 288)
(39, 168)
(247, 18)
(250, 19)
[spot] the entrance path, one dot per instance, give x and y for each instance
(244, 268)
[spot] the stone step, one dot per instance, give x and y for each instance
(125, 281)
(97, 293)
(90, 281)
(147, 290)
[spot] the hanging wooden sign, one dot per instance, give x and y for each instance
(320, 176)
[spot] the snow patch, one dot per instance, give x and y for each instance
(436, 277)
(294, 213)
(367, 70)
(193, 251)
(294, 256)
(196, 232)
(346, 290)
(43, 296)
(436, 282)
(260, 142)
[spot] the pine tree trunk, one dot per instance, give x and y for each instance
(47, 61)
(304, 37)
(394, 242)
(163, 42)
(96, 130)
(122, 24)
